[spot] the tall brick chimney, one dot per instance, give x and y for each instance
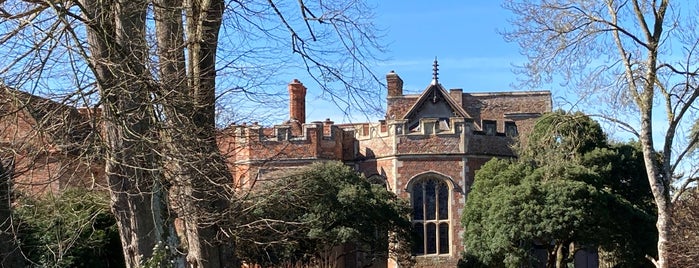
(395, 84)
(297, 101)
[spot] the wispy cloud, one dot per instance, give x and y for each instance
(476, 63)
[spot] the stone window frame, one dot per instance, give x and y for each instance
(491, 125)
(421, 181)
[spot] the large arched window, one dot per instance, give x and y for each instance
(430, 201)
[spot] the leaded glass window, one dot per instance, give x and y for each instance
(430, 202)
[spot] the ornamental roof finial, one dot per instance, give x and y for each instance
(435, 72)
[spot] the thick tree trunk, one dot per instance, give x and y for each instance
(116, 36)
(211, 194)
(199, 174)
(559, 256)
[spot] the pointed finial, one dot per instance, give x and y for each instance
(435, 72)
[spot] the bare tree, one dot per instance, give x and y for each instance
(641, 56)
(152, 67)
(684, 248)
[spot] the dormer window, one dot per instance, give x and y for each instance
(489, 127)
(510, 129)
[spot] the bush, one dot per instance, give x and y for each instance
(302, 216)
(73, 229)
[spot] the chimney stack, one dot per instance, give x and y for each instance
(395, 84)
(297, 101)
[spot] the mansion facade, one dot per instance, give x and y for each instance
(426, 150)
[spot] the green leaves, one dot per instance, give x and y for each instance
(568, 189)
(561, 136)
(301, 216)
(75, 229)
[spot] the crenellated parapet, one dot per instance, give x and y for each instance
(321, 140)
(429, 136)
(426, 127)
(434, 136)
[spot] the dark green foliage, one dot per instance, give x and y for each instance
(569, 190)
(301, 216)
(527, 208)
(470, 261)
(74, 229)
(561, 136)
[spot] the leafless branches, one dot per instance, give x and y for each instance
(152, 74)
(626, 50)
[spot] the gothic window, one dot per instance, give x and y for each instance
(430, 201)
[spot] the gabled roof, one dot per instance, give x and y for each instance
(431, 92)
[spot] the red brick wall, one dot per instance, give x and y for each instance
(39, 165)
(432, 144)
(494, 106)
(398, 106)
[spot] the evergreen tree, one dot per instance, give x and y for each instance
(569, 190)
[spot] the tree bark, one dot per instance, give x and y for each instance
(659, 173)
(658, 188)
(116, 37)
(198, 171)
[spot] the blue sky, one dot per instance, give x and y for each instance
(463, 35)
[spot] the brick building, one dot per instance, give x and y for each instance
(46, 145)
(426, 150)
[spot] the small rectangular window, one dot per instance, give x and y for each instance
(489, 127)
(510, 129)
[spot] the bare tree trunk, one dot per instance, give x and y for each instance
(116, 35)
(211, 196)
(658, 188)
(643, 90)
(659, 174)
(198, 171)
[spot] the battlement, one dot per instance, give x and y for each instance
(426, 127)
(284, 132)
(317, 140)
(432, 136)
